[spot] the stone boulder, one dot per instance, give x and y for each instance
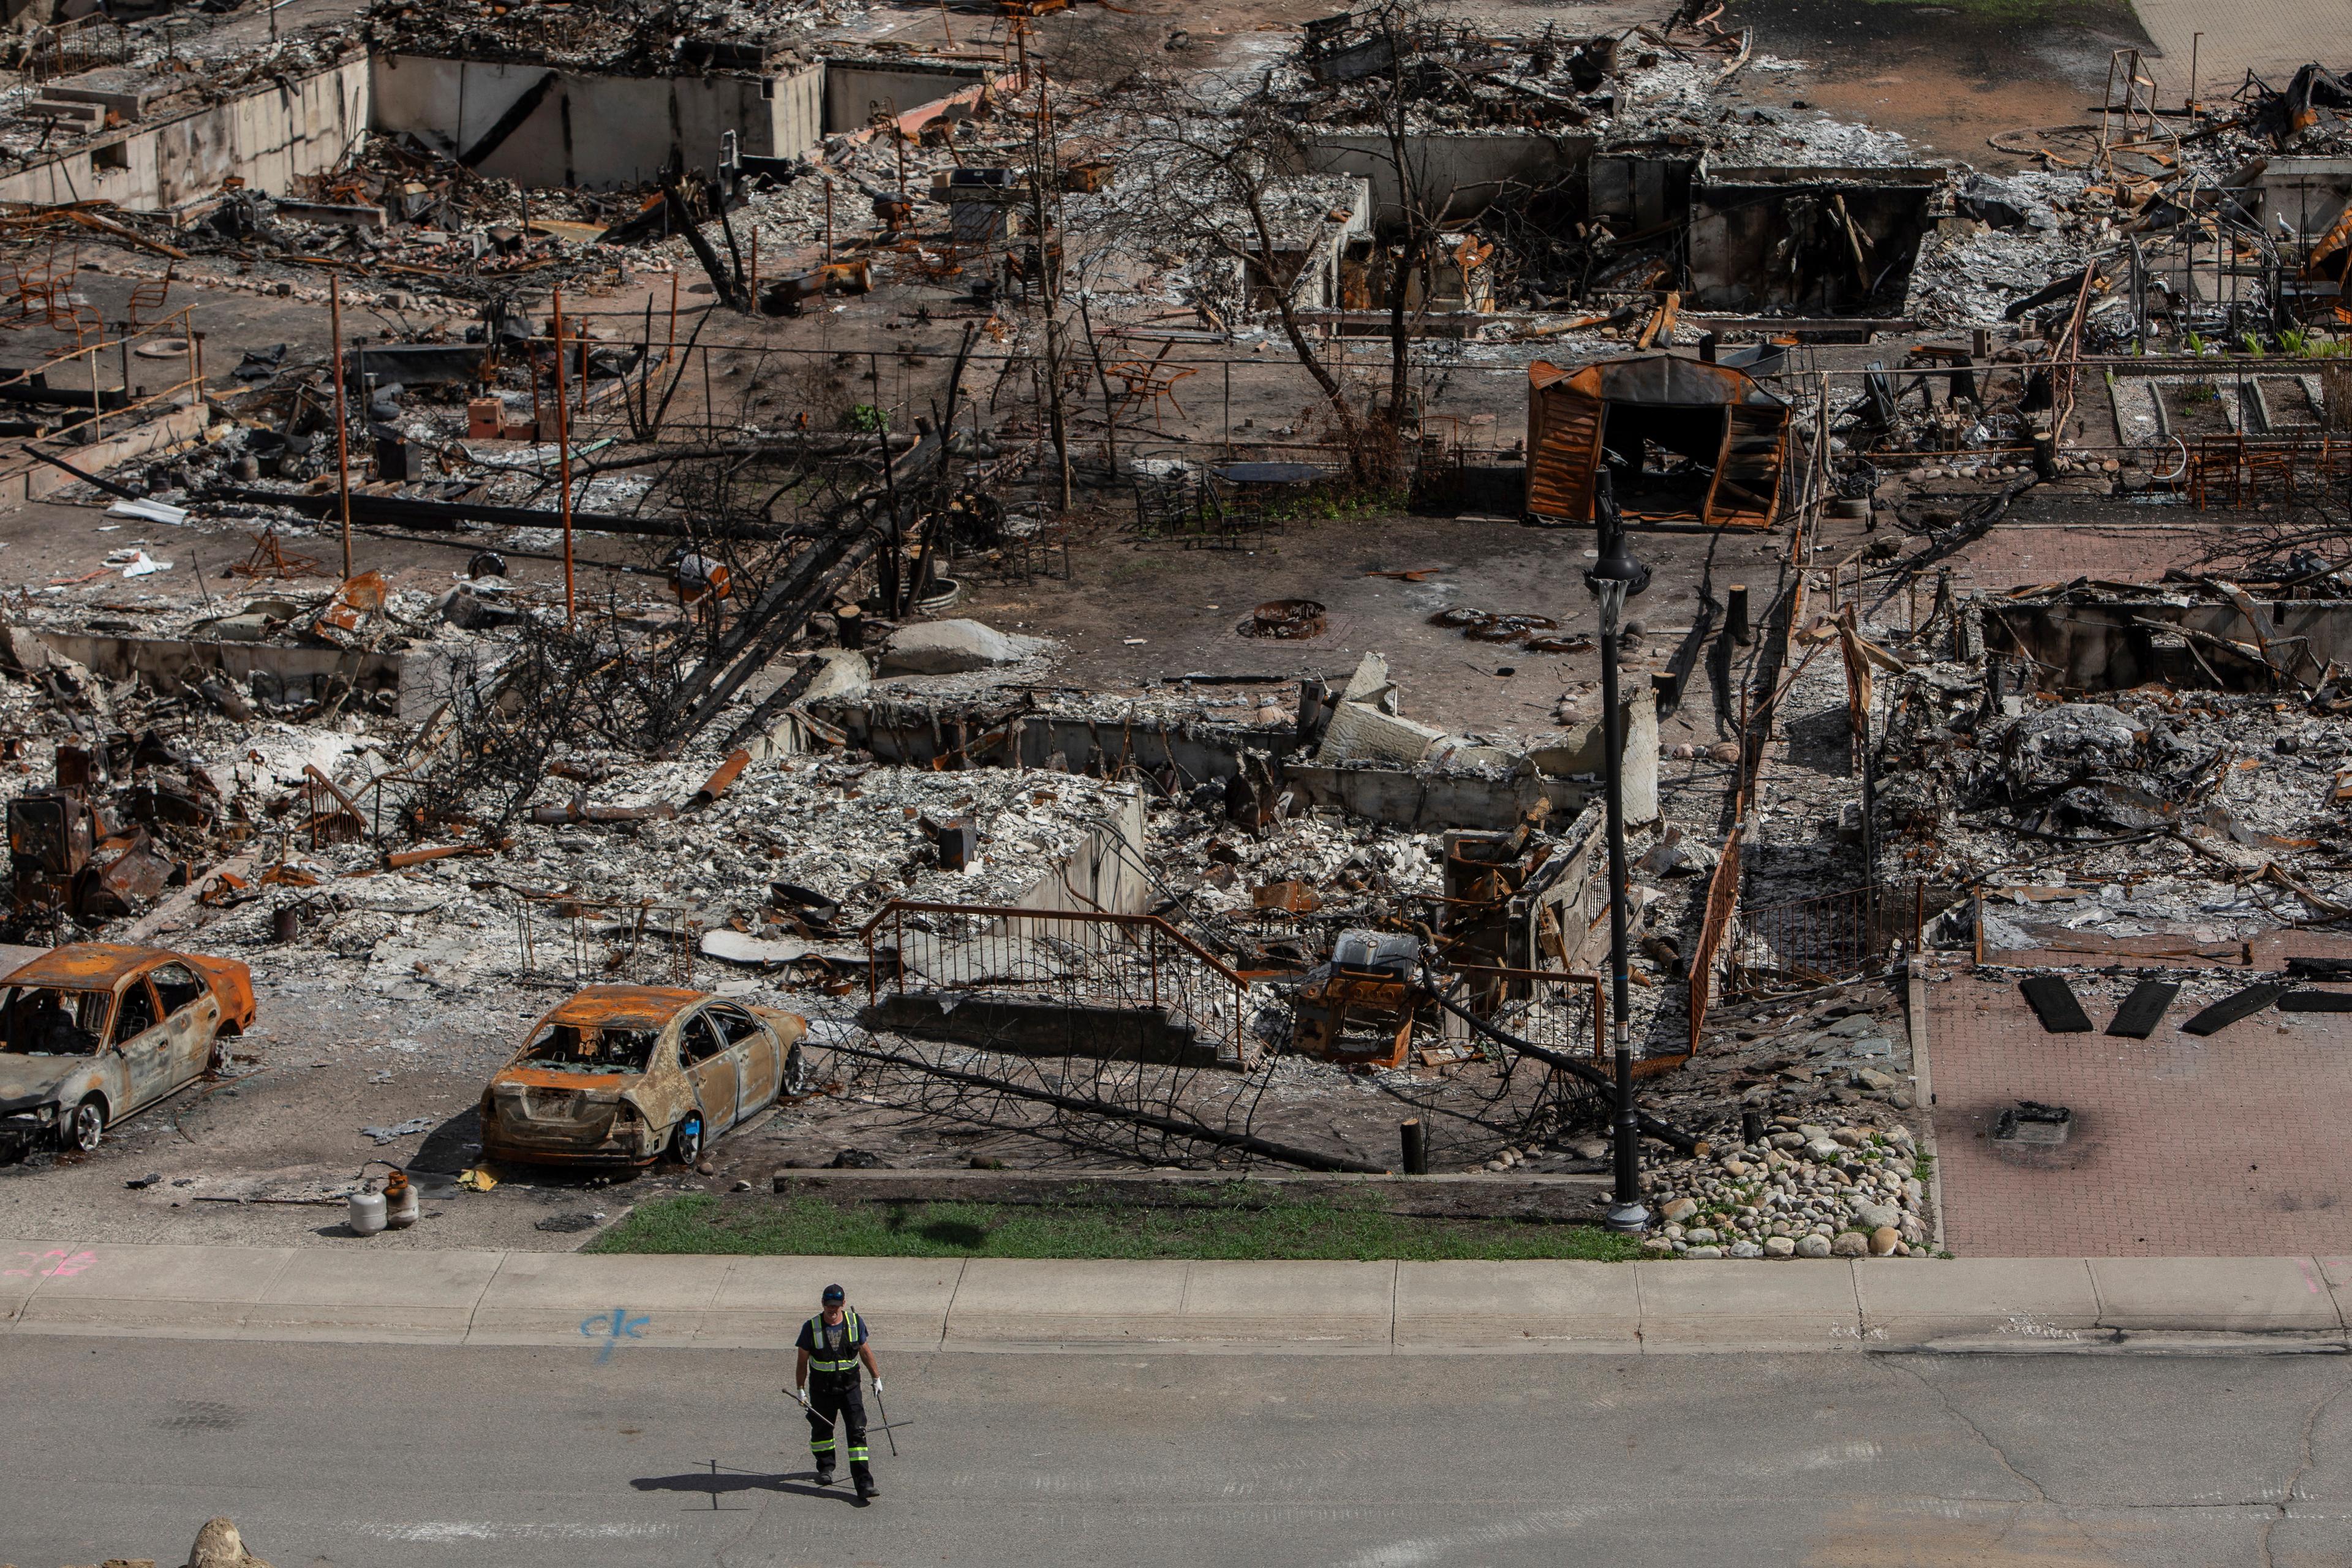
(950, 647)
(218, 1545)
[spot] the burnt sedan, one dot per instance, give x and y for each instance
(623, 1074)
(92, 1032)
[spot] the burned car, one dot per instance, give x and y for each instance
(94, 1031)
(623, 1074)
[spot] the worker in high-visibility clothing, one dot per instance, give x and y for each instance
(832, 1344)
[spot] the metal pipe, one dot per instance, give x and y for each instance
(1626, 1212)
(342, 423)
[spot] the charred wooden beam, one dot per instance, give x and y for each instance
(441, 515)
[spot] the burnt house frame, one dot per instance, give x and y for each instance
(1824, 241)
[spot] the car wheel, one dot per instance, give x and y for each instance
(687, 1142)
(86, 1127)
(796, 1073)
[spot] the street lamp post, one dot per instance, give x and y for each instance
(1613, 579)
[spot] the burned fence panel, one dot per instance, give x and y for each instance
(1819, 940)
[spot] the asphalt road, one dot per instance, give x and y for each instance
(386, 1455)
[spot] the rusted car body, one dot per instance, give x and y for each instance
(95, 1031)
(623, 1074)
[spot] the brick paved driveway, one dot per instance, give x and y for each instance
(2240, 1143)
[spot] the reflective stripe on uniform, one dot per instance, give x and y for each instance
(857, 1456)
(853, 1335)
(826, 1447)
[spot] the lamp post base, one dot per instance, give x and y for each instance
(1627, 1218)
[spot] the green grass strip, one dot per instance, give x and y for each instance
(703, 1223)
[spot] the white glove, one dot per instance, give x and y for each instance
(878, 1388)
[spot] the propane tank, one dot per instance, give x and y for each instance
(367, 1213)
(400, 1201)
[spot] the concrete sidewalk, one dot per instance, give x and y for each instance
(628, 1301)
(2272, 38)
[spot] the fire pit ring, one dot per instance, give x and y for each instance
(1292, 620)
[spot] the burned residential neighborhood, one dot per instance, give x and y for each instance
(1179, 683)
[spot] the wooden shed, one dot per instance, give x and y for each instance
(1686, 438)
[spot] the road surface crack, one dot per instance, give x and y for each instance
(2303, 1467)
(1962, 1417)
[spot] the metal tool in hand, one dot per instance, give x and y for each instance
(882, 1426)
(885, 1411)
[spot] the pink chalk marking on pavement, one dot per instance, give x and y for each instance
(57, 1261)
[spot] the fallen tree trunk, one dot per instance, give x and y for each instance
(1243, 1143)
(1664, 1131)
(859, 529)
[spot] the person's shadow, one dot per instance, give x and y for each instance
(719, 1481)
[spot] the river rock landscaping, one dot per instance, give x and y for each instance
(1804, 1189)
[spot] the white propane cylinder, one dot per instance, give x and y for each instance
(400, 1212)
(367, 1214)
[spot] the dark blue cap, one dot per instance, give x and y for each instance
(834, 1293)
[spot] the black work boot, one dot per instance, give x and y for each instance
(866, 1490)
(824, 1472)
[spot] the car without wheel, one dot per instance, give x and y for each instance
(95, 1031)
(623, 1074)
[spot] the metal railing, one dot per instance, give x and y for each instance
(91, 344)
(595, 940)
(63, 49)
(1557, 1009)
(1078, 958)
(1820, 941)
(2236, 472)
(1722, 898)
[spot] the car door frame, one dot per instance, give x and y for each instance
(193, 1026)
(703, 1077)
(155, 1037)
(758, 1071)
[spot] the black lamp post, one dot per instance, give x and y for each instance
(1613, 579)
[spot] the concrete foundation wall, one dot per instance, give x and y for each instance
(1041, 1026)
(30, 480)
(916, 736)
(1473, 169)
(855, 90)
(2309, 193)
(171, 663)
(267, 138)
(2104, 646)
(1425, 800)
(595, 130)
(1104, 872)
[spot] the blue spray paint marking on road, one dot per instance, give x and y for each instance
(613, 1327)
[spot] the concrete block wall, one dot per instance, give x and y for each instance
(597, 131)
(269, 137)
(592, 131)
(1472, 167)
(856, 90)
